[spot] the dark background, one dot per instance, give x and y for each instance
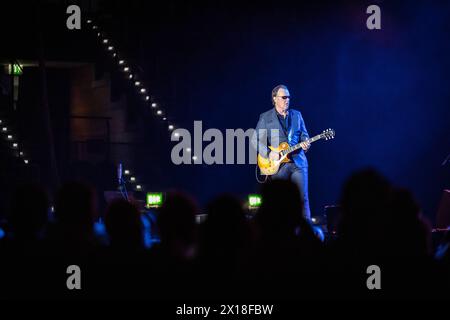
(385, 92)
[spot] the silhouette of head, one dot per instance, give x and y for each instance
(29, 211)
(177, 223)
(365, 203)
(226, 225)
(281, 209)
(124, 225)
(74, 208)
(410, 231)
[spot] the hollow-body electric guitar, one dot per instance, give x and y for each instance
(269, 167)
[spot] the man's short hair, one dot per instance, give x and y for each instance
(275, 91)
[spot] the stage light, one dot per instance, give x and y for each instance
(143, 90)
(15, 145)
(159, 112)
(89, 21)
(130, 76)
(138, 187)
(132, 179)
(153, 105)
(10, 137)
(98, 34)
(164, 118)
(105, 40)
(194, 158)
(25, 161)
(21, 153)
(188, 149)
(176, 134)
(254, 201)
(1, 121)
(121, 61)
(171, 127)
(4, 129)
(154, 200)
(94, 27)
(147, 98)
(110, 48)
(126, 69)
(127, 172)
(114, 54)
(137, 83)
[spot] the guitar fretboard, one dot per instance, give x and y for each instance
(298, 146)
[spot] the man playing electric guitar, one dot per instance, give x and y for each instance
(289, 127)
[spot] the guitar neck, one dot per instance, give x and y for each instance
(298, 146)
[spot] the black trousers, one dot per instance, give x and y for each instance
(299, 176)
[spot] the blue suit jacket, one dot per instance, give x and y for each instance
(273, 134)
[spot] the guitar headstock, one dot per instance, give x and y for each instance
(328, 134)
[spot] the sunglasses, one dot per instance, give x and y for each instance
(284, 97)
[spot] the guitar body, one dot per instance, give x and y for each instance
(270, 167)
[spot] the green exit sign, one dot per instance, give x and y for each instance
(254, 200)
(154, 200)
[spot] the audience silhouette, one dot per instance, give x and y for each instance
(271, 253)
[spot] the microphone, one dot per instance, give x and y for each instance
(119, 173)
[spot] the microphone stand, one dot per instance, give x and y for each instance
(122, 183)
(123, 188)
